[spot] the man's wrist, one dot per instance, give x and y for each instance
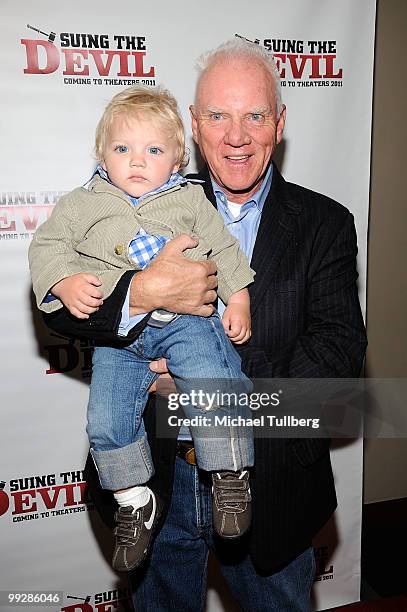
(136, 305)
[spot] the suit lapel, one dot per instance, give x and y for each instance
(276, 232)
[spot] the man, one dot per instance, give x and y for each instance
(306, 323)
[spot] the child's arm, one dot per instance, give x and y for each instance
(79, 294)
(55, 265)
(236, 318)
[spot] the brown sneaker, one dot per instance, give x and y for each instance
(231, 504)
(134, 534)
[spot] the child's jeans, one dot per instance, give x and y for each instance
(199, 357)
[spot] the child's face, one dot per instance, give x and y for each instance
(140, 155)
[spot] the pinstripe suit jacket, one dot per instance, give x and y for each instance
(306, 323)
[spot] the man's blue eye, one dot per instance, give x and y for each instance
(256, 117)
(216, 116)
(154, 150)
(121, 148)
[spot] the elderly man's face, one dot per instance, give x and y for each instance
(235, 126)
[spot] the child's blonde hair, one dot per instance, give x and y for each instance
(140, 101)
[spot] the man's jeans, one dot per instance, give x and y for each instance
(174, 578)
(200, 357)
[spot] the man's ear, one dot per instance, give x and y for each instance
(280, 125)
(194, 123)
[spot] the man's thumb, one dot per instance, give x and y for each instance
(182, 242)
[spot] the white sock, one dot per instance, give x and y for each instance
(136, 497)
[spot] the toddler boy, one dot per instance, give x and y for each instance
(133, 205)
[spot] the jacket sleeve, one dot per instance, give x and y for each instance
(234, 272)
(52, 256)
(53, 253)
(103, 325)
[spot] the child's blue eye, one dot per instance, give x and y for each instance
(121, 148)
(154, 150)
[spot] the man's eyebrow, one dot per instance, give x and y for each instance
(260, 111)
(213, 110)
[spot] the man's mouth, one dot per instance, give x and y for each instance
(237, 158)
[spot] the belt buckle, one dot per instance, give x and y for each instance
(190, 456)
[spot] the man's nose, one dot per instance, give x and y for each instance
(236, 134)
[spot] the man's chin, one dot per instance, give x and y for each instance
(240, 178)
(242, 186)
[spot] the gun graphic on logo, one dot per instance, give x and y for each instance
(51, 35)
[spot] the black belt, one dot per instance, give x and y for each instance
(186, 451)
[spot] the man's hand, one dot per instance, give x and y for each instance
(237, 323)
(79, 294)
(164, 385)
(175, 283)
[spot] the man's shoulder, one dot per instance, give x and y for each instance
(306, 201)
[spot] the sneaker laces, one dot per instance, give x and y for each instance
(232, 492)
(128, 525)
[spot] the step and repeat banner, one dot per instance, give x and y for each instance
(60, 65)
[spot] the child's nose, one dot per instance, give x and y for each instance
(138, 159)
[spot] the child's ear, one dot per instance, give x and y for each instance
(176, 168)
(103, 164)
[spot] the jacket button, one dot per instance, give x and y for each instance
(118, 249)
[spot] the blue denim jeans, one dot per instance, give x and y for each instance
(174, 577)
(199, 355)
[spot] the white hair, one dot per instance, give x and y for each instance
(241, 48)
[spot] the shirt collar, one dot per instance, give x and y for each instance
(257, 200)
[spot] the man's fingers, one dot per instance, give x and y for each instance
(210, 296)
(159, 366)
(175, 282)
(212, 279)
(210, 269)
(165, 385)
(153, 387)
(204, 311)
(180, 243)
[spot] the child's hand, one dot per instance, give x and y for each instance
(79, 294)
(237, 323)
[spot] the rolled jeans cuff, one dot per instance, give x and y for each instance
(124, 467)
(231, 452)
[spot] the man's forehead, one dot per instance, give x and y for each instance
(237, 83)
